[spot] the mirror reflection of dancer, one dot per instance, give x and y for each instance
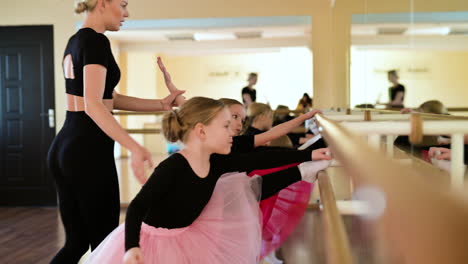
(397, 91)
(193, 209)
(305, 103)
(81, 157)
(249, 94)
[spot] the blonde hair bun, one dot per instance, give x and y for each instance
(81, 7)
(177, 124)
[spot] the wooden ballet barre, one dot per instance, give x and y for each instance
(442, 117)
(329, 111)
(391, 117)
(456, 128)
(360, 117)
(381, 111)
(144, 131)
(426, 220)
(343, 127)
(333, 113)
(431, 127)
(394, 114)
(126, 113)
(457, 109)
(337, 242)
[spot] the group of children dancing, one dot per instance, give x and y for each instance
(225, 198)
(200, 205)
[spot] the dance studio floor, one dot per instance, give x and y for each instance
(30, 235)
(33, 235)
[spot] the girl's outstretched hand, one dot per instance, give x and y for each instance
(321, 154)
(179, 99)
(440, 153)
(311, 114)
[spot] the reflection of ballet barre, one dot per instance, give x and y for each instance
(392, 124)
(396, 115)
(391, 117)
(416, 129)
(420, 220)
(298, 112)
(144, 131)
(286, 111)
(457, 109)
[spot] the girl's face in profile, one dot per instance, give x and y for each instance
(219, 134)
(238, 115)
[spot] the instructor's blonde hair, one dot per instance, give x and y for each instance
(86, 5)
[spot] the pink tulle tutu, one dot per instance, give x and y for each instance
(227, 231)
(283, 211)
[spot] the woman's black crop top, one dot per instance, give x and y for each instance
(89, 47)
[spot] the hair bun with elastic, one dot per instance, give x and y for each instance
(81, 7)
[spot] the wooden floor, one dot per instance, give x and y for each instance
(30, 235)
(307, 243)
(34, 235)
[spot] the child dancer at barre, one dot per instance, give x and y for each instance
(281, 212)
(254, 138)
(191, 210)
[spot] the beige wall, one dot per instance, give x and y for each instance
(59, 13)
(427, 75)
(284, 75)
(148, 9)
(141, 82)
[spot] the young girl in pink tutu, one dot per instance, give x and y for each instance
(282, 211)
(191, 210)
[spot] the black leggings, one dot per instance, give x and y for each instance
(81, 160)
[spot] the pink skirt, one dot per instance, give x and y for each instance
(282, 212)
(227, 231)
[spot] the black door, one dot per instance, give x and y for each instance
(27, 121)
